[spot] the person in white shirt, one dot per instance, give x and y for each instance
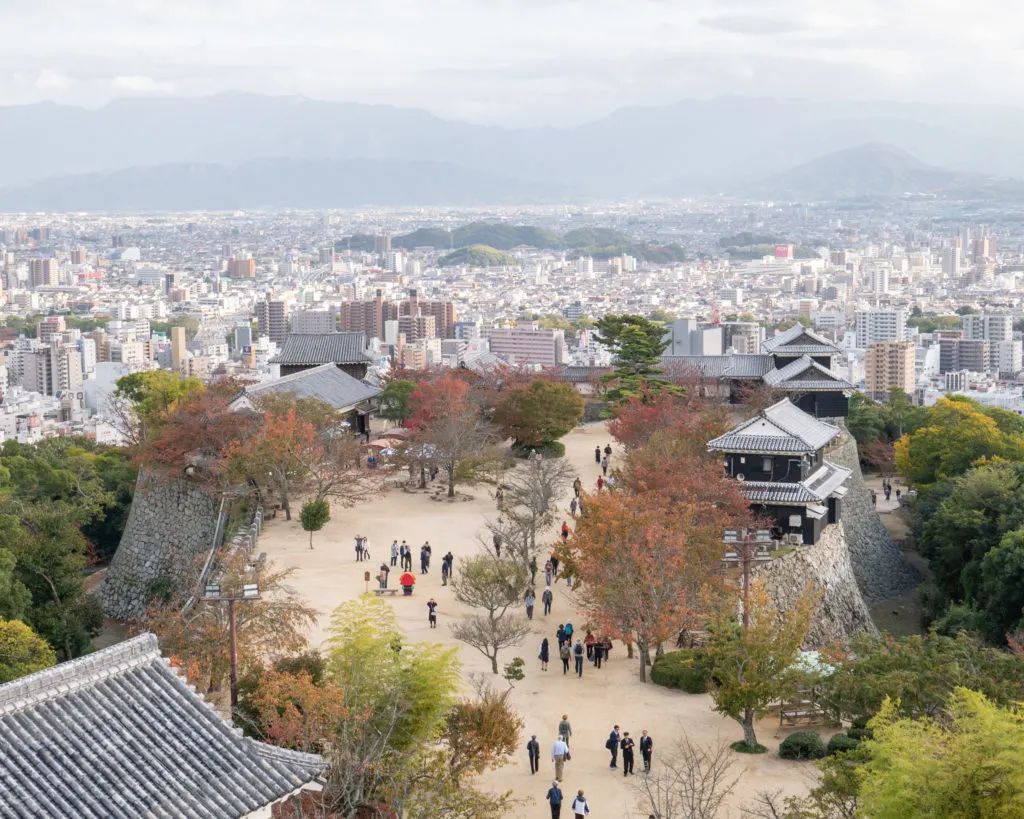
(580, 808)
(558, 753)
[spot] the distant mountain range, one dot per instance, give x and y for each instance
(247, 150)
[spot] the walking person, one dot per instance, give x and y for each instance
(577, 487)
(565, 531)
(533, 570)
(597, 454)
(565, 728)
(646, 749)
(394, 553)
(554, 566)
(549, 573)
(572, 507)
(359, 548)
(497, 544)
(444, 571)
(580, 808)
(898, 493)
(530, 600)
(406, 554)
(600, 483)
(564, 654)
(545, 654)
(612, 744)
(560, 634)
(568, 633)
(533, 751)
(578, 654)
(366, 548)
(608, 452)
(424, 559)
(589, 641)
(432, 612)
(604, 466)
(627, 744)
(385, 570)
(546, 598)
(559, 751)
(554, 798)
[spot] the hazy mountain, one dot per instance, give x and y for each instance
(873, 170)
(694, 146)
(274, 183)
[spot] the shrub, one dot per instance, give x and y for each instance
(552, 449)
(841, 743)
(802, 745)
(860, 733)
(685, 669)
(859, 722)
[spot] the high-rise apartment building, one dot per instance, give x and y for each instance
(889, 364)
(529, 343)
(417, 327)
(883, 324)
(43, 273)
(370, 316)
(78, 255)
(242, 268)
(50, 327)
(178, 349)
(271, 320)
(313, 321)
(963, 354)
(995, 328)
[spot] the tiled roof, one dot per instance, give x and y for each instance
(770, 492)
(782, 427)
(119, 735)
(798, 340)
(326, 382)
(827, 479)
(724, 366)
(321, 348)
(806, 374)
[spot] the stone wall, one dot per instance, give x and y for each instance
(826, 565)
(878, 563)
(170, 531)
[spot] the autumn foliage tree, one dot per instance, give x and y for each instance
(450, 426)
(646, 566)
(687, 416)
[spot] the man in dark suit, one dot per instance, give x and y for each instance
(646, 748)
(613, 745)
(533, 750)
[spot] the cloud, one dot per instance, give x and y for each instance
(143, 85)
(51, 79)
(753, 24)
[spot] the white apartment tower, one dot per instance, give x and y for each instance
(881, 324)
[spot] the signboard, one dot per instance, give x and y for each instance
(783, 251)
(763, 536)
(795, 521)
(731, 536)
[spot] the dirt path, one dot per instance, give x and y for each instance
(329, 575)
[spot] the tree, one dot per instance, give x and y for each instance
(690, 782)
(451, 428)
(645, 566)
(956, 435)
(688, 416)
(197, 639)
(15, 599)
(969, 764)
(531, 493)
(22, 651)
(865, 419)
(1001, 592)
(142, 401)
(393, 402)
(314, 516)
(480, 731)
(750, 667)
(919, 673)
(637, 344)
(495, 586)
(539, 414)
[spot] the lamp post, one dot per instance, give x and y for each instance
(214, 593)
(750, 545)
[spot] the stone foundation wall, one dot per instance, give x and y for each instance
(826, 566)
(877, 561)
(170, 530)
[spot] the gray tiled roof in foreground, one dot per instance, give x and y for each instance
(782, 427)
(119, 735)
(325, 382)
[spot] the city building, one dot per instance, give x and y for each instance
(271, 320)
(313, 321)
(347, 351)
(528, 343)
(963, 354)
(889, 364)
(778, 455)
(178, 349)
(43, 273)
(242, 268)
(883, 324)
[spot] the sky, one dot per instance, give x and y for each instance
(513, 62)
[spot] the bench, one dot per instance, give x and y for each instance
(379, 592)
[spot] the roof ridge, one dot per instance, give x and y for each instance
(79, 673)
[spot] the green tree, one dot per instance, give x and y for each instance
(750, 667)
(143, 401)
(1001, 593)
(637, 344)
(314, 516)
(22, 651)
(970, 764)
(866, 419)
(393, 402)
(540, 413)
(15, 599)
(901, 416)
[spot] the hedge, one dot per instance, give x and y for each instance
(802, 745)
(840, 743)
(685, 669)
(552, 449)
